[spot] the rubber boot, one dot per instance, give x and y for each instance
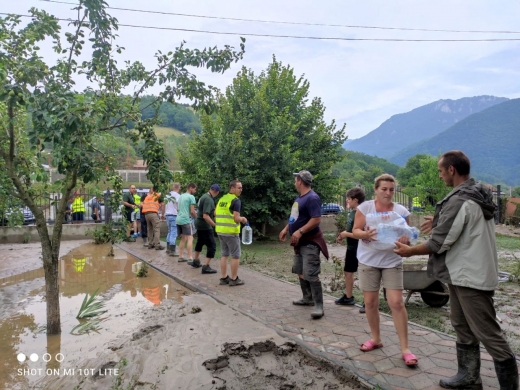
(307, 294)
(507, 374)
(172, 250)
(317, 295)
(468, 375)
(145, 241)
(167, 248)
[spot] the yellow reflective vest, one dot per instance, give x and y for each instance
(79, 264)
(224, 220)
(137, 201)
(416, 202)
(77, 205)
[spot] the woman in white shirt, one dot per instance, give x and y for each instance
(376, 265)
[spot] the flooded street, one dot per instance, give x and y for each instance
(26, 352)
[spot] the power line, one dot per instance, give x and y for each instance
(298, 23)
(294, 36)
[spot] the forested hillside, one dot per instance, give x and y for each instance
(361, 169)
(491, 139)
(419, 124)
(179, 116)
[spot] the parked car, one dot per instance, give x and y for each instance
(331, 208)
(16, 213)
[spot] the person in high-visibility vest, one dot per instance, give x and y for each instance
(227, 226)
(150, 208)
(416, 204)
(137, 215)
(78, 209)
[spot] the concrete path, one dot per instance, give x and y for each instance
(336, 336)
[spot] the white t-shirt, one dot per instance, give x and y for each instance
(172, 202)
(366, 253)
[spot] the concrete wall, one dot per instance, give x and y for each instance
(70, 232)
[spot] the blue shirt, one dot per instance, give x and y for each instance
(303, 209)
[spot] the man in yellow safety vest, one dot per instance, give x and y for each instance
(227, 226)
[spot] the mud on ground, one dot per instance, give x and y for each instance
(177, 347)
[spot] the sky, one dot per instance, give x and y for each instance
(361, 83)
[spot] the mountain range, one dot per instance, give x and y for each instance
(422, 123)
(486, 128)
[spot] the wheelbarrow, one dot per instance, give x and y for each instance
(415, 279)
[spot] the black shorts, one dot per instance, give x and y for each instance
(351, 261)
(128, 217)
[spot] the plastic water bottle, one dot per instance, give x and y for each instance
(247, 234)
(389, 234)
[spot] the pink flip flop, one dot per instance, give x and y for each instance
(410, 359)
(370, 346)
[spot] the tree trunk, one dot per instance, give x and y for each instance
(50, 266)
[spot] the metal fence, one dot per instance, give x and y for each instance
(49, 205)
(425, 200)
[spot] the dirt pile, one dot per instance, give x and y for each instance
(265, 365)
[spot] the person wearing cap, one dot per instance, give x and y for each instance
(228, 220)
(96, 209)
(186, 210)
(204, 225)
(308, 241)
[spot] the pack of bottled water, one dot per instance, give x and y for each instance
(390, 226)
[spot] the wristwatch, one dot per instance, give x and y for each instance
(301, 232)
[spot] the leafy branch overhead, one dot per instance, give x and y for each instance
(43, 107)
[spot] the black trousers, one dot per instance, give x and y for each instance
(206, 237)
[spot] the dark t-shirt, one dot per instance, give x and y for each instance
(236, 205)
(303, 209)
(352, 243)
(206, 206)
(129, 198)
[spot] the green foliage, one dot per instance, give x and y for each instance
(91, 307)
(515, 192)
(74, 122)
(265, 130)
(109, 232)
(408, 174)
(422, 177)
(143, 270)
(178, 116)
(359, 169)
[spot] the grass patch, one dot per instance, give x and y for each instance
(507, 243)
(163, 132)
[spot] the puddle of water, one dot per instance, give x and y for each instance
(84, 270)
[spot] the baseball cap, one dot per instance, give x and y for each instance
(215, 187)
(305, 176)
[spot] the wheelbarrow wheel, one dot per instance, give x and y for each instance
(436, 300)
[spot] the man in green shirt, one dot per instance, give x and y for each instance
(204, 224)
(129, 203)
(186, 209)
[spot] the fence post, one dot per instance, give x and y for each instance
(499, 204)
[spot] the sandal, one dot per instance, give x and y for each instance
(410, 359)
(370, 346)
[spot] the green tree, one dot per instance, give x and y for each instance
(265, 130)
(427, 184)
(408, 174)
(515, 192)
(72, 120)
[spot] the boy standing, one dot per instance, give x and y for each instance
(355, 196)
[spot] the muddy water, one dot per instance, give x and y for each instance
(83, 270)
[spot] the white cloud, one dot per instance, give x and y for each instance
(360, 83)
